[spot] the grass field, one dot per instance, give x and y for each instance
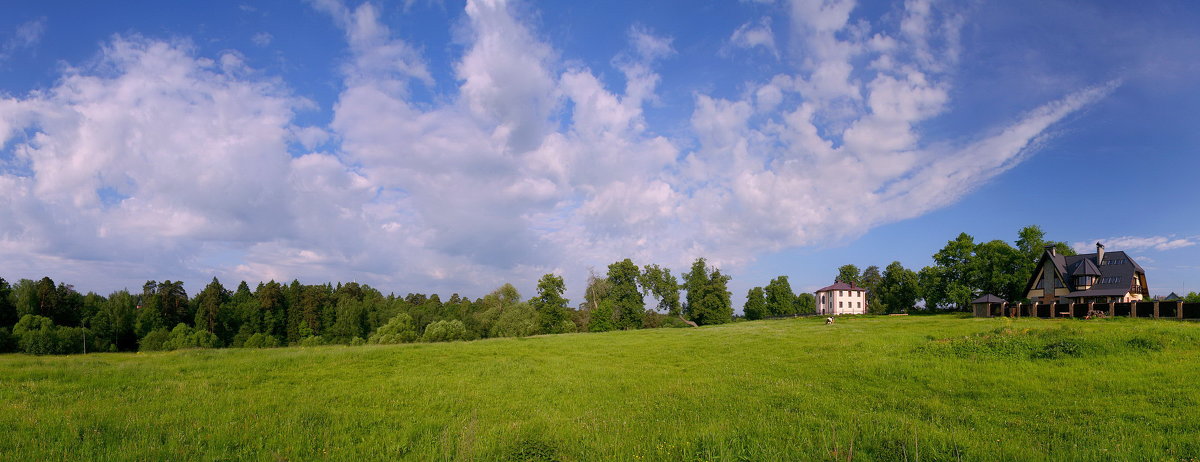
(871, 388)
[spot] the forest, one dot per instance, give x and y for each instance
(42, 317)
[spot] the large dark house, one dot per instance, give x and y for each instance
(1100, 277)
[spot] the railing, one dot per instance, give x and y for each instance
(1155, 310)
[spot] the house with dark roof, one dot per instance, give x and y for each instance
(842, 298)
(1101, 277)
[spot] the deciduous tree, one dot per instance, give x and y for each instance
(756, 304)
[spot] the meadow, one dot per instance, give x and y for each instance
(943, 387)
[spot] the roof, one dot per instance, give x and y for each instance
(1120, 266)
(1173, 296)
(1085, 267)
(841, 286)
(989, 298)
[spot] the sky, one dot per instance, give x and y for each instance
(450, 147)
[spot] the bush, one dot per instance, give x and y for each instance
(156, 340)
(183, 337)
(261, 340)
(312, 340)
(357, 341)
(445, 331)
(399, 330)
(516, 321)
(38, 335)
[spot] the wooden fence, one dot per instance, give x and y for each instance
(1156, 310)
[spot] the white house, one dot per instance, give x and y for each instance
(842, 298)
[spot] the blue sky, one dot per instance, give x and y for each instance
(430, 146)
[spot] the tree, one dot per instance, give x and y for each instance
(660, 283)
(999, 269)
(948, 282)
(549, 304)
(756, 304)
(1031, 242)
(806, 303)
(208, 305)
(602, 317)
(8, 310)
(593, 316)
(898, 290)
(173, 301)
(628, 303)
(520, 320)
(848, 274)
(870, 280)
(445, 331)
(398, 330)
(708, 297)
(39, 335)
(780, 299)
(352, 319)
(274, 311)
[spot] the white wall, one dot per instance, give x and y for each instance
(853, 302)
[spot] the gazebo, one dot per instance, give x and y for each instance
(984, 304)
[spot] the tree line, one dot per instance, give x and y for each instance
(44, 317)
(962, 270)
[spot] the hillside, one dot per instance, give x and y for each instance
(872, 388)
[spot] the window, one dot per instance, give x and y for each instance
(839, 304)
(1110, 280)
(860, 304)
(841, 293)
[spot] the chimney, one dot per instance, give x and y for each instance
(1099, 254)
(1050, 248)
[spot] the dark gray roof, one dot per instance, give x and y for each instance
(1084, 267)
(989, 298)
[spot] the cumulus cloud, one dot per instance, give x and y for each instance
(1135, 243)
(750, 35)
(156, 157)
(262, 39)
(26, 36)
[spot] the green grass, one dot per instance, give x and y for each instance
(872, 388)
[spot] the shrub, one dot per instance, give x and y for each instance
(40, 336)
(516, 321)
(156, 340)
(399, 330)
(261, 340)
(35, 335)
(183, 337)
(445, 331)
(357, 341)
(312, 340)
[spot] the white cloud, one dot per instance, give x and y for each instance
(1135, 243)
(26, 36)
(750, 35)
(531, 164)
(262, 39)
